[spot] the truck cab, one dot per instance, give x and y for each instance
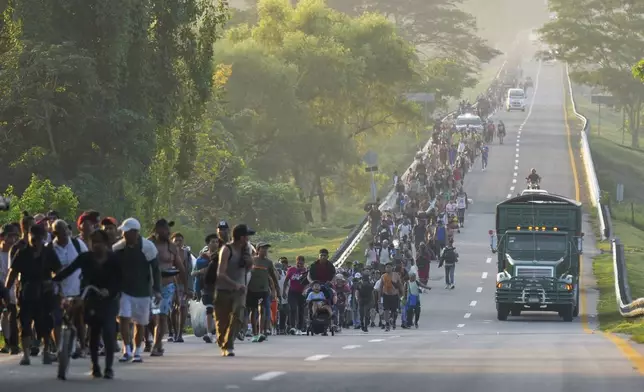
(539, 243)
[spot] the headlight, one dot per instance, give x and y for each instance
(564, 287)
(503, 285)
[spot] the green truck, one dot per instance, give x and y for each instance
(539, 246)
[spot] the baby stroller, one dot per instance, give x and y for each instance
(320, 321)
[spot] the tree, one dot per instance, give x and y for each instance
(638, 70)
(308, 83)
(596, 38)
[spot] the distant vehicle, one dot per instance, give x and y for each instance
(533, 192)
(468, 119)
(515, 100)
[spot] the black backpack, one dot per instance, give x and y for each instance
(210, 277)
(449, 256)
(365, 290)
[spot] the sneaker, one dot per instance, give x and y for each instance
(447, 286)
(206, 338)
(230, 353)
(137, 359)
(157, 352)
(170, 339)
(109, 374)
(148, 347)
(125, 358)
(179, 339)
(96, 372)
(452, 287)
(241, 335)
(261, 338)
(255, 339)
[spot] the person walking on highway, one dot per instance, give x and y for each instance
(230, 289)
(449, 258)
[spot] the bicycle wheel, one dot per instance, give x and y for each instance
(64, 352)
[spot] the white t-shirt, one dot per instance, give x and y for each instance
(67, 254)
(460, 202)
(404, 230)
(370, 255)
(450, 207)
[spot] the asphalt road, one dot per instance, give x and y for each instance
(460, 345)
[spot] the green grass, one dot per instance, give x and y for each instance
(618, 163)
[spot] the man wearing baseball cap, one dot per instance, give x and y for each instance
(138, 258)
(234, 262)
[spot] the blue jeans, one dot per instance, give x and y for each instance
(449, 273)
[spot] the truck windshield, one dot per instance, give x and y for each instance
(536, 242)
(516, 94)
(471, 121)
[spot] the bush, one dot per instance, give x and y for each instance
(268, 207)
(39, 197)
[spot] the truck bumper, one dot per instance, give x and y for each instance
(540, 300)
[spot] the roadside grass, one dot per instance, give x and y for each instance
(617, 163)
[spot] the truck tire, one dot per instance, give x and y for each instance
(516, 312)
(502, 313)
(567, 313)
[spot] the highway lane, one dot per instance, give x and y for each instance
(460, 345)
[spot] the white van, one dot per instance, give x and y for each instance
(469, 120)
(515, 100)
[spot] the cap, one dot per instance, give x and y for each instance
(324, 251)
(223, 225)
(163, 223)
(242, 230)
(358, 275)
(91, 216)
(263, 245)
(130, 224)
(53, 214)
(109, 221)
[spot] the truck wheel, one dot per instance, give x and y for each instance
(516, 312)
(567, 313)
(502, 313)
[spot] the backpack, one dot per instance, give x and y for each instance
(210, 277)
(449, 256)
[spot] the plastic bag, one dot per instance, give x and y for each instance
(198, 318)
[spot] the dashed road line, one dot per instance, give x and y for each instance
(479, 289)
(472, 304)
(460, 326)
(376, 340)
(351, 347)
(515, 174)
(484, 275)
(267, 376)
(467, 315)
(232, 387)
(514, 180)
(509, 195)
(488, 260)
(511, 189)
(316, 357)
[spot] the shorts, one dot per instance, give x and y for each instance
(253, 299)
(207, 299)
(136, 308)
(390, 302)
(167, 297)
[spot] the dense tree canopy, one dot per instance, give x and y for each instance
(597, 39)
(160, 108)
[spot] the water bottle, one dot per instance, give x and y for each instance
(155, 306)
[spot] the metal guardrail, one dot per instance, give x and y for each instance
(627, 306)
(357, 234)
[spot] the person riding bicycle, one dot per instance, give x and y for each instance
(533, 177)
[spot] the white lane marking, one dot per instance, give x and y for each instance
(232, 387)
(351, 347)
(268, 376)
(517, 150)
(394, 337)
(515, 174)
(516, 168)
(516, 161)
(484, 275)
(516, 156)
(473, 304)
(376, 340)
(467, 315)
(488, 260)
(517, 144)
(514, 180)
(479, 289)
(316, 357)
(509, 195)
(444, 331)
(511, 189)
(460, 326)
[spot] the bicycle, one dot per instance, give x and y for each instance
(69, 333)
